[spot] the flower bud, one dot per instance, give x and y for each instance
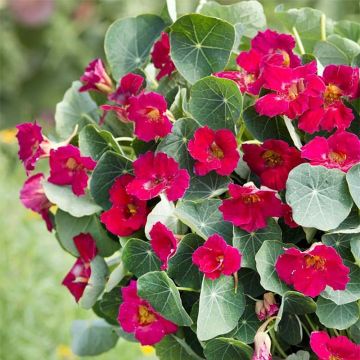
(260, 310)
(270, 304)
(262, 343)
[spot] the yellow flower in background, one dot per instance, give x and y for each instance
(8, 136)
(64, 352)
(147, 350)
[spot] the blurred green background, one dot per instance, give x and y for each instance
(44, 46)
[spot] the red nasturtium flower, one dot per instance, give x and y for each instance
(215, 257)
(156, 174)
(249, 207)
(296, 90)
(68, 167)
(127, 214)
(214, 150)
(163, 242)
(148, 112)
(335, 348)
(95, 78)
(340, 81)
(160, 56)
(137, 316)
(78, 277)
(339, 151)
(272, 161)
(33, 197)
(310, 271)
(288, 217)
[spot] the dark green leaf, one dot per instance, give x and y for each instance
(340, 242)
(110, 303)
(290, 329)
(251, 282)
(353, 180)
(227, 349)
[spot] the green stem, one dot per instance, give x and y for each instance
(187, 289)
(124, 138)
(250, 297)
(305, 329)
(298, 41)
(277, 345)
(323, 27)
(313, 327)
(336, 332)
(241, 132)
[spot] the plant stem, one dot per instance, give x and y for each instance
(187, 289)
(124, 138)
(336, 332)
(323, 27)
(298, 41)
(276, 344)
(305, 329)
(313, 327)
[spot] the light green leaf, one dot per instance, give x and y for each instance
(227, 349)
(351, 225)
(348, 29)
(160, 291)
(355, 247)
(328, 53)
(354, 332)
(340, 242)
(128, 42)
(220, 307)
(300, 355)
(216, 102)
(318, 196)
(353, 180)
(200, 45)
(249, 243)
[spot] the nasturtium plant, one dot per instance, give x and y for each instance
(214, 211)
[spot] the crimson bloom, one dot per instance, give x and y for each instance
(95, 78)
(288, 217)
(137, 316)
(339, 348)
(127, 214)
(216, 257)
(312, 270)
(68, 167)
(296, 90)
(78, 277)
(160, 56)
(148, 111)
(155, 174)
(272, 161)
(214, 150)
(33, 197)
(339, 151)
(340, 81)
(249, 207)
(163, 242)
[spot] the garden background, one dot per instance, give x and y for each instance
(44, 46)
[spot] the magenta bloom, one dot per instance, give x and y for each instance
(148, 111)
(249, 207)
(68, 167)
(158, 173)
(78, 277)
(340, 81)
(216, 257)
(32, 145)
(272, 161)
(138, 317)
(312, 270)
(214, 150)
(33, 197)
(160, 56)
(336, 348)
(163, 242)
(295, 90)
(339, 151)
(127, 214)
(95, 78)
(288, 217)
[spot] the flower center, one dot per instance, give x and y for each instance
(249, 78)
(132, 209)
(272, 158)
(337, 157)
(145, 315)
(72, 164)
(315, 261)
(251, 199)
(153, 114)
(295, 89)
(286, 57)
(331, 94)
(335, 357)
(216, 151)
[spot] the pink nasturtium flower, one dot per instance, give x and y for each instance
(272, 161)
(214, 150)
(156, 174)
(160, 56)
(249, 207)
(68, 167)
(163, 242)
(137, 316)
(340, 81)
(335, 348)
(288, 217)
(215, 257)
(127, 214)
(262, 344)
(95, 78)
(78, 277)
(339, 151)
(33, 197)
(148, 112)
(295, 90)
(310, 271)
(267, 307)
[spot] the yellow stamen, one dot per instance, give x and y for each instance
(331, 94)
(315, 261)
(272, 158)
(145, 315)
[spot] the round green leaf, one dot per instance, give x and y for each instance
(354, 332)
(300, 355)
(353, 180)
(249, 243)
(319, 197)
(128, 42)
(290, 329)
(251, 282)
(227, 349)
(200, 45)
(219, 308)
(139, 258)
(337, 316)
(355, 247)
(160, 291)
(341, 243)
(216, 102)
(109, 304)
